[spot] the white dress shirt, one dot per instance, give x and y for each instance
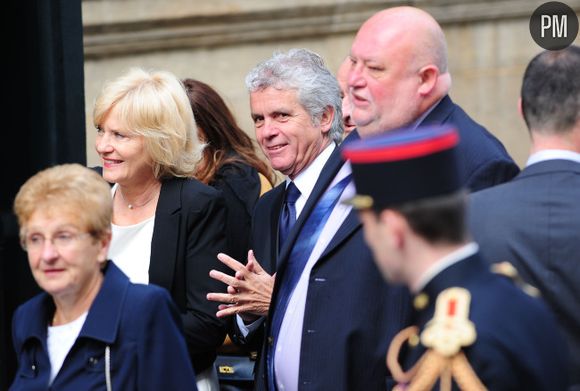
(306, 180)
(287, 349)
(553, 154)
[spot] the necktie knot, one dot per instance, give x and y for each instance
(292, 193)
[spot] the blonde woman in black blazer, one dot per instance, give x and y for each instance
(167, 226)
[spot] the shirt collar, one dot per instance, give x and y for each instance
(460, 254)
(419, 120)
(307, 178)
(552, 154)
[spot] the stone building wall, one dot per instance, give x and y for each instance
(219, 41)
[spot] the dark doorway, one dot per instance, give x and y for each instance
(43, 125)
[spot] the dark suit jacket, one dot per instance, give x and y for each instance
(189, 232)
(518, 346)
(351, 313)
(534, 223)
(484, 160)
(240, 186)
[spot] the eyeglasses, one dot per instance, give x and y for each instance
(61, 241)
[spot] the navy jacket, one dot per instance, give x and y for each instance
(351, 313)
(140, 324)
(484, 160)
(518, 345)
(534, 223)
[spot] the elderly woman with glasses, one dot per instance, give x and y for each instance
(91, 328)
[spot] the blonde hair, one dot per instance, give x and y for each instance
(154, 104)
(67, 187)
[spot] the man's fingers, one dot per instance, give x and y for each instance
(221, 298)
(225, 278)
(230, 262)
(228, 310)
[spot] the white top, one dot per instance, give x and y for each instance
(552, 154)
(131, 248)
(60, 340)
(287, 356)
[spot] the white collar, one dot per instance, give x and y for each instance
(307, 178)
(453, 257)
(552, 154)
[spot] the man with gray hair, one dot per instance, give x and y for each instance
(329, 315)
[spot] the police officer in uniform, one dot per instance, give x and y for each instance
(473, 328)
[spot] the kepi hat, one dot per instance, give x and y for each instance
(404, 165)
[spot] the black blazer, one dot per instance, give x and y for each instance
(351, 314)
(189, 232)
(484, 160)
(534, 223)
(240, 186)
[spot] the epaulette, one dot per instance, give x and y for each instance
(444, 336)
(507, 269)
(450, 329)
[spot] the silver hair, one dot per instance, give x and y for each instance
(305, 72)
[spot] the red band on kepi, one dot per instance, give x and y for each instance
(404, 165)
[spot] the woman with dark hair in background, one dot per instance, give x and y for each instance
(229, 163)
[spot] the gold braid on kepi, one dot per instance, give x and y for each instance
(443, 336)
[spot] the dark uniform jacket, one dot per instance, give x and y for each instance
(518, 345)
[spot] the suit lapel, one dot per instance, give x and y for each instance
(352, 222)
(348, 226)
(165, 235)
